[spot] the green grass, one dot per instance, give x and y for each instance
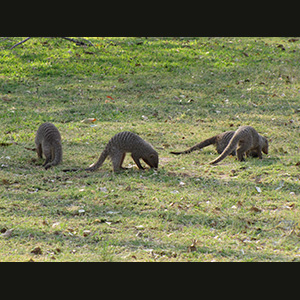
(173, 92)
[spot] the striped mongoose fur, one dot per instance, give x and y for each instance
(124, 142)
(246, 140)
(48, 142)
(220, 141)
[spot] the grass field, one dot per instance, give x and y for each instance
(173, 92)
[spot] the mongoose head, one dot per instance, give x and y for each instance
(265, 145)
(151, 160)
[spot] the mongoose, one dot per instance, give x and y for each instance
(245, 140)
(124, 142)
(220, 141)
(48, 141)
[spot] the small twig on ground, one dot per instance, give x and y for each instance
(74, 41)
(20, 43)
(88, 42)
(78, 43)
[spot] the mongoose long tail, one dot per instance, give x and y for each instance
(100, 161)
(230, 147)
(199, 146)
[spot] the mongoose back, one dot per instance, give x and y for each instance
(246, 140)
(48, 141)
(220, 141)
(124, 142)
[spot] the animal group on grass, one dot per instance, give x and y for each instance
(245, 141)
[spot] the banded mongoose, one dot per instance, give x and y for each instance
(48, 141)
(246, 140)
(220, 141)
(124, 142)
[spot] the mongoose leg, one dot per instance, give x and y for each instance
(137, 161)
(121, 161)
(241, 150)
(123, 168)
(47, 153)
(46, 161)
(240, 156)
(259, 154)
(117, 160)
(39, 151)
(52, 154)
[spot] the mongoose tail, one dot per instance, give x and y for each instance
(199, 146)
(72, 170)
(99, 162)
(220, 141)
(94, 166)
(230, 147)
